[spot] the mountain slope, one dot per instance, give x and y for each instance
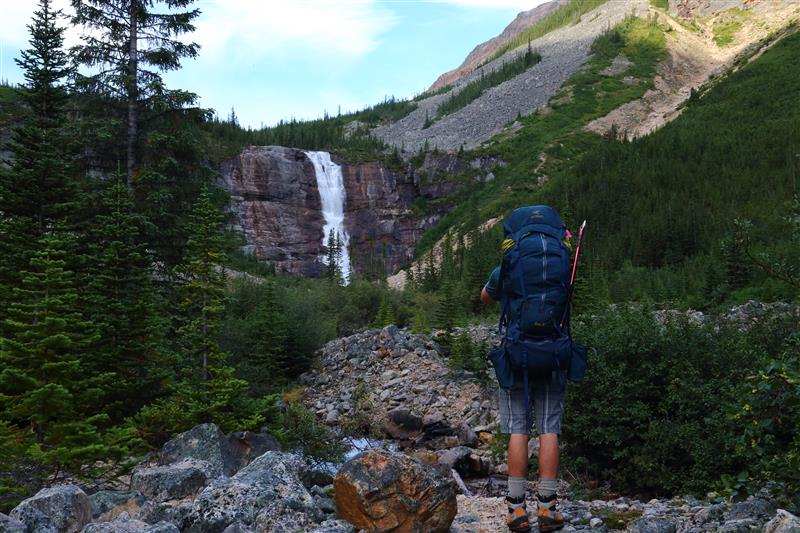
(563, 52)
(484, 51)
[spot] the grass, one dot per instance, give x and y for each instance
(660, 4)
(563, 16)
(727, 24)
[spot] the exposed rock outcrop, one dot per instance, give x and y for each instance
(276, 204)
(383, 491)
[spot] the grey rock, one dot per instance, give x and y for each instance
(33, 520)
(334, 525)
(266, 493)
(466, 435)
(652, 525)
(104, 501)
(67, 507)
(10, 525)
(125, 524)
(153, 512)
(752, 508)
(325, 504)
(245, 446)
(172, 481)
(740, 525)
(205, 442)
(238, 527)
(711, 513)
(456, 457)
(783, 522)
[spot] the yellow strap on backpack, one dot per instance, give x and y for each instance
(507, 244)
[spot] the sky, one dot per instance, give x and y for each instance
(281, 59)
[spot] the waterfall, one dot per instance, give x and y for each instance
(331, 192)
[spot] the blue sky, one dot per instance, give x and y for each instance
(274, 59)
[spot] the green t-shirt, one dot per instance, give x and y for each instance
(492, 285)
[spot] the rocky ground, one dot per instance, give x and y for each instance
(442, 475)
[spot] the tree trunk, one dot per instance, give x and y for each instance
(133, 91)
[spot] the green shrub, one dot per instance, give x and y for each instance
(769, 418)
(652, 416)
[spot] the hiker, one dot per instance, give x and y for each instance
(534, 272)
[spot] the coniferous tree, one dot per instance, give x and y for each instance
(120, 300)
(334, 257)
(270, 360)
(208, 390)
(385, 314)
(131, 44)
(36, 189)
(49, 393)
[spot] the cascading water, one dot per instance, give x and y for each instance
(331, 192)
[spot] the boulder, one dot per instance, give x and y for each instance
(9, 525)
(125, 524)
(456, 458)
(247, 445)
(466, 435)
(33, 520)
(383, 491)
(402, 424)
(649, 524)
(205, 442)
(173, 481)
(783, 522)
(753, 508)
(67, 509)
(109, 503)
(154, 512)
(264, 495)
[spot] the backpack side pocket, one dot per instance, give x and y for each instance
(502, 367)
(577, 363)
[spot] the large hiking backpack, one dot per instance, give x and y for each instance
(534, 291)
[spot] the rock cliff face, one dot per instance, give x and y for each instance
(276, 206)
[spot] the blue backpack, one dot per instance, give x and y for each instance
(534, 289)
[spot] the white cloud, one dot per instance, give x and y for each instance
(238, 30)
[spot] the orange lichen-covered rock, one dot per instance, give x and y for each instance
(381, 491)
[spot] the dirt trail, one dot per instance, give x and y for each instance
(693, 59)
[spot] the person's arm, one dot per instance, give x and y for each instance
(489, 292)
(485, 298)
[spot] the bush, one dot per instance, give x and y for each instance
(652, 417)
(769, 415)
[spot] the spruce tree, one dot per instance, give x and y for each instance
(36, 188)
(209, 392)
(385, 314)
(131, 44)
(49, 395)
(270, 361)
(120, 300)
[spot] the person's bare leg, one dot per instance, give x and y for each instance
(518, 455)
(548, 456)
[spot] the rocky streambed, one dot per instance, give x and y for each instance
(438, 473)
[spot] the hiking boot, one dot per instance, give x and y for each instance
(517, 519)
(548, 517)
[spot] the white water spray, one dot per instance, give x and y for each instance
(331, 192)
